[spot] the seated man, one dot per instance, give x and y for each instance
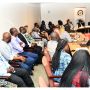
(17, 76)
(9, 54)
(18, 45)
(52, 44)
(29, 41)
(25, 37)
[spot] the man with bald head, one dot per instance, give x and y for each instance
(7, 52)
(6, 39)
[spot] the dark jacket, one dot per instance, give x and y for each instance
(21, 37)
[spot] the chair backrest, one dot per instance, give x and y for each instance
(47, 67)
(42, 82)
(46, 53)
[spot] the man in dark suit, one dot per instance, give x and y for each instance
(23, 37)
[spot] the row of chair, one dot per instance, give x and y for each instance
(46, 61)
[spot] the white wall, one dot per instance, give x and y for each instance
(34, 14)
(55, 11)
(18, 14)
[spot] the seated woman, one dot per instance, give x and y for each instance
(62, 33)
(61, 58)
(78, 71)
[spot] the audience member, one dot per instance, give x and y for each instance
(36, 31)
(17, 76)
(77, 74)
(43, 26)
(24, 37)
(63, 34)
(69, 26)
(60, 25)
(8, 51)
(61, 59)
(51, 26)
(52, 44)
(80, 23)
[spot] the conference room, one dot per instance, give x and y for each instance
(44, 44)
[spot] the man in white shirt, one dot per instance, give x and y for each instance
(9, 54)
(18, 76)
(52, 44)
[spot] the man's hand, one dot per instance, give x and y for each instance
(23, 59)
(10, 69)
(22, 44)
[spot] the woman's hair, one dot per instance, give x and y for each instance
(80, 62)
(56, 57)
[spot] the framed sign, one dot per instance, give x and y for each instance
(79, 13)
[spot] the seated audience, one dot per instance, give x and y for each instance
(36, 31)
(80, 23)
(69, 26)
(8, 52)
(60, 25)
(17, 76)
(61, 59)
(43, 26)
(43, 30)
(19, 45)
(26, 38)
(77, 74)
(36, 34)
(63, 34)
(52, 44)
(51, 26)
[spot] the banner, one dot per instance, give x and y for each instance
(79, 13)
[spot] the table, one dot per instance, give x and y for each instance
(85, 29)
(75, 46)
(80, 37)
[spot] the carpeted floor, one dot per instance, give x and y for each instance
(38, 71)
